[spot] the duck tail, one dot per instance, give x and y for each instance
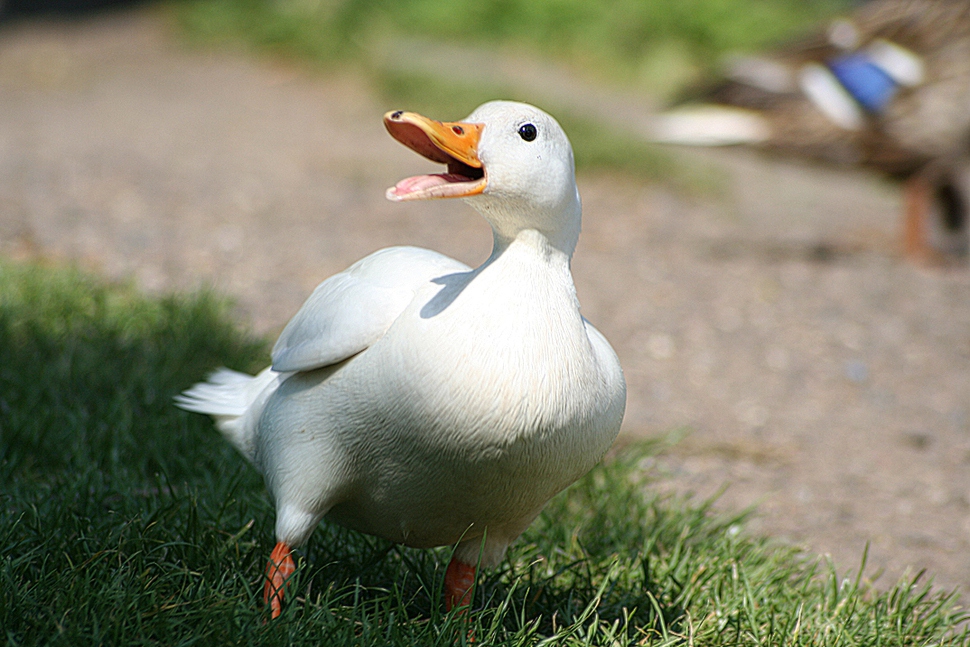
(228, 396)
(709, 125)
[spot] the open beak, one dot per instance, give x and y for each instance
(454, 144)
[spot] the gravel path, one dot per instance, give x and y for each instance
(818, 374)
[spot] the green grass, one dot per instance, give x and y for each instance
(124, 521)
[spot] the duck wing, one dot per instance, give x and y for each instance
(351, 310)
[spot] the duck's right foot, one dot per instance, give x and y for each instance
(278, 570)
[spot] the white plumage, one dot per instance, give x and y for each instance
(420, 400)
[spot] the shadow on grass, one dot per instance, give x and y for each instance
(88, 371)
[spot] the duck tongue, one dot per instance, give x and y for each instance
(423, 187)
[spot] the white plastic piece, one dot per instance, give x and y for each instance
(904, 66)
(824, 90)
(843, 34)
(709, 125)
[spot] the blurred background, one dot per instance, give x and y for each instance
(766, 317)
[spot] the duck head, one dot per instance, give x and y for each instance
(511, 161)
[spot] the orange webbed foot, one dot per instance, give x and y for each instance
(459, 582)
(279, 568)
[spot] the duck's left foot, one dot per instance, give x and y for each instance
(459, 582)
(279, 568)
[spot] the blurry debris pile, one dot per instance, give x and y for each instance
(887, 88)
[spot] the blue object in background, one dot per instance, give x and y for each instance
(864, 80)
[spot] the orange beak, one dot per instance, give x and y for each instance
(454, 144)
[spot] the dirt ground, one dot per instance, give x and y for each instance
(815, 372)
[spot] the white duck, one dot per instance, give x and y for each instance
(420, 400)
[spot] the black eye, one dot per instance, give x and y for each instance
(528, 132)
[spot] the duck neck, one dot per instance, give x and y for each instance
(553, 232)
(535, 241)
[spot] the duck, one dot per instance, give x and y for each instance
(886, 88)
(415, 398)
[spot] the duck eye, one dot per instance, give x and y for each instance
(528, 132)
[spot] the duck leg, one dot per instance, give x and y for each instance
(916, 193)
(279, 568)
(459, 582)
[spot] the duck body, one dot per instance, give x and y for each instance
(463, 416)
(428, 403)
